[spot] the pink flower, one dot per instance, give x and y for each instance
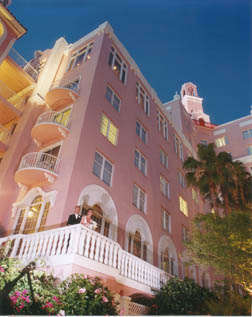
(82, 290)
(14, 299)
(17, 309)
(18, 293)
(104, 298)
(2, 269)
(85, 276)
(121, 312)
(27, 299)
(21, 306)
(98, 291)
(55, 298)
(25, 292)
(49, 304)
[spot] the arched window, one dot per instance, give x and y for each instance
(137, 246)
(33, 217)
(165, 260)
(167, 255)
(103, 224)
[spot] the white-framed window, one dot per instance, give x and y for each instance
(163, 158)
(31, 216)
(139, 198)
(73, 84)
(140, 162)
(63, 117)
(141, 132)
(222, 141)
(247, 134)
(162, 125)
(137, 246)
(164, 186)
(142, 98)
(103, 169)
(166, 220)
(205, 142)
(118, 65)
(185, 234)
(250, 150)
(178, 147)
(80, 56)
(195, 195)
(108, 129)
(113, 98)
(183, 206)
(182, 181)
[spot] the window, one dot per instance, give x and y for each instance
(80, 56)
(113, 98)
(142, 99)
(141, 132)
(109, 130)
(118, 65)
(163, 158)
(221, 141)
(166, 220)
(162, 125)
(102, 168)
(63, 117)
(185, 234)
(136, 246)
(250, 150)
(139, 198)
(33, 217)
(178, 147)
(73, 85)
(165, 260)
(183, 206)
(203, 142)
(195, 195)
(164, 186)
(182, 181)
(247, 134)
(140, 162)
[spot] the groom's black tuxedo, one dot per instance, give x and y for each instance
(73, 219)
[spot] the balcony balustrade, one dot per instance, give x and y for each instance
(37, 168)
(22, 63)
(204, 124)
(51, 126)
(62, 93)
(59, 244)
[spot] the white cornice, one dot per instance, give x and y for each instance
(236, 120)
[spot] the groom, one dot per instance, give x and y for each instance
(74, 218)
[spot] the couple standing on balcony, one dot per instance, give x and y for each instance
(85, 220)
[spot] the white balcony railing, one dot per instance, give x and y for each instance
(26, 66)
(39, 160)
(66, 83)
(54, 117)
(80, 240)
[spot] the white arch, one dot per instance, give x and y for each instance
(137, 223)
(166, 242)
(30, 195)
(95, 194)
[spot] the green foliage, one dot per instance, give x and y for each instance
(178, 297)
(83, 296)
(225, 243)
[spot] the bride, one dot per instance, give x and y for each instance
(87, 220)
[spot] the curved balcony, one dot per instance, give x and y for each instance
(37, 168)
(51, 126)
(62, 93)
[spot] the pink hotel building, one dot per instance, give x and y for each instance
(80, 125)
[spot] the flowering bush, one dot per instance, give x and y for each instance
(81, 295)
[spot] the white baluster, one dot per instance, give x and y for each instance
(27, 245)
(66, 241)
(101, 259)
(133, 269)
(111, 249)
(97, 249)
(126, 267)
(115, 255)
(55, 242)
(49, 246)
(91, 256)
(43, 253)
(106, 252)
(35, 247)
(22, 248)
(60, 243)
(14, 250)
(76, 240)
(87, 246)
(81, 242)
(41, 240)
(130, 267)
(122, 263)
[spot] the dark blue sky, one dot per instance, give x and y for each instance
(207, 42)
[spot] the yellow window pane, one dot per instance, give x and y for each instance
(104, 125)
